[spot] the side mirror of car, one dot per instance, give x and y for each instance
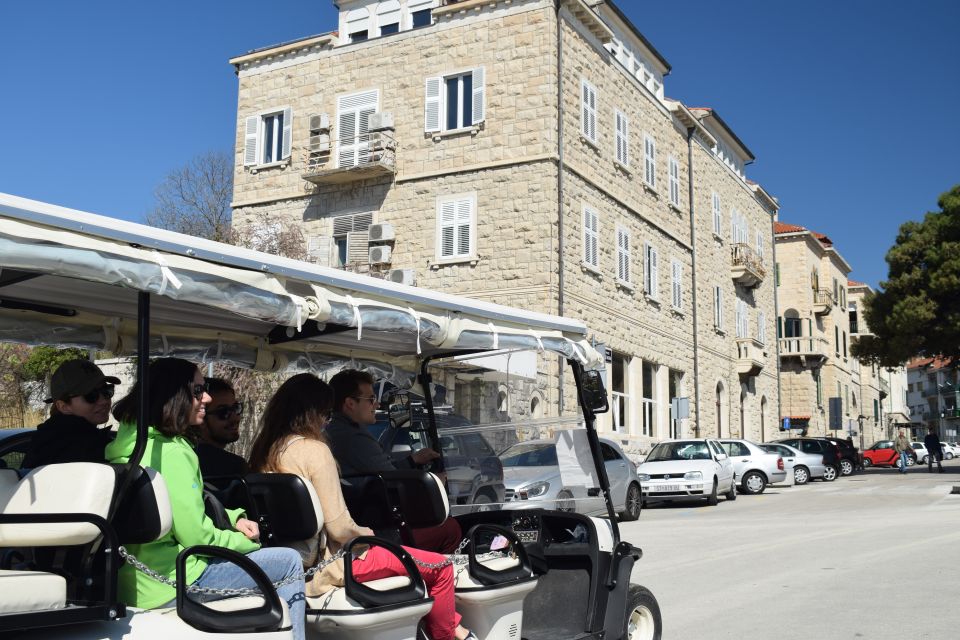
(593, 393)
(721, 456)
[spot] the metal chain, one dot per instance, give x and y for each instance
(459, 558)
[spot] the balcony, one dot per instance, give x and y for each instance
(750, 357)
(370, 155)
(822, 301)
(746, 266)
(810, 351)
(884, 388)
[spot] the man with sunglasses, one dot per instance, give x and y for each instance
(80, 399)
(221, 427)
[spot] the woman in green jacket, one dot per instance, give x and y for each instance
(176, 397)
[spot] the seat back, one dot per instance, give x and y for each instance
(395, 499)
(285, 506)
(144, 513)
(72, 487)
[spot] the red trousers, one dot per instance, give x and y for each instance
(444, 538)
(443, 618)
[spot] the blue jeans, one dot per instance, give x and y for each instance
(278, 563)
(903, 461)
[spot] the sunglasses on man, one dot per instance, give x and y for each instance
(225, 413)
(91, 397)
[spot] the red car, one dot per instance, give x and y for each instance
(882, 454)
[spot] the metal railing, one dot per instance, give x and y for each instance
(743, 255)
(378, 147)
(823, 296)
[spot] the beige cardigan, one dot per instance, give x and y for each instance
(312, 460)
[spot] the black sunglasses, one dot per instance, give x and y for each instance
(91, 397)
(199, 389)
(225, 413)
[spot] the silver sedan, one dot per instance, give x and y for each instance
(806, 466)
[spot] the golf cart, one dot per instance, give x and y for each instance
(75, 279)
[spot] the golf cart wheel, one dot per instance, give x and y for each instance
(643, 620)
(867, 463)
(846, 467)
(631, 506)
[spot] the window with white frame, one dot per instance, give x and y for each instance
(622, 126)
(649, 386)
(267, 137)
(651, 278)
(674, 174)
(388, 17)
(760, 244)
(456, 227)
(350, 237)
(718, 308)
(742, 321)
(739, 228)
(591, 237)
(717, 215)
(358, 24)
(588, 111)
(353, 127)
(623, 255)
(761, 327)
(421, 13)
(649, 161)
(456, 101)
(619, 392)
(676, 281)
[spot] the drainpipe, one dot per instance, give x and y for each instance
(776, 320)
(693, 276)
(560, 168)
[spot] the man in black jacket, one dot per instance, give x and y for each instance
(934, 451)
(80, 395)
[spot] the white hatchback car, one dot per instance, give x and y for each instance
(686, 469)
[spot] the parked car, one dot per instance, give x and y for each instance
(753, 466)
(882, 454)
(474, 473)
(849, 456)
(949, 451)
(687, 469)
(805, 466)
(920, 452)
(829, 450)
(531, 474)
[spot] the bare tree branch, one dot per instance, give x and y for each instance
(195, 199)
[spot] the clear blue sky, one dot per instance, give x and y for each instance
(848, 105)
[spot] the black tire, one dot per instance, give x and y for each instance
(801, 475)
(830, 473)
(485, 500)
(642, 620)
(867, 463)
(846, 467)
(712, 499)
(732, 493)
(631, 505)
(565, 502)
(753, 483)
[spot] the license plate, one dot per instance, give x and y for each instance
(669, 487)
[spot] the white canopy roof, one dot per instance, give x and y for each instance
(71, 278)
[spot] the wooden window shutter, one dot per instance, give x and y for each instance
(431, 113)
(250, 138)
(287, 140)
(479, 96)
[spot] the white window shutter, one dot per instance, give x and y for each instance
(287, 142)
(431, 113)
(464, 241)
(718, 307)
(677, 284)
(760, 244)
(654, 274)
(623, 255)
(591, 232)
(479, 96)
(250, 138)
(347, 139)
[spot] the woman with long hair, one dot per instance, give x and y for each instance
(291, 440)
(176, 396)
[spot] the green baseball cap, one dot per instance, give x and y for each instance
(77, 378)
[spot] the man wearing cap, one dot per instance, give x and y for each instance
(80, 396)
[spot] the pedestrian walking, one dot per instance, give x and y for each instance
(934, 449)
(902, 446)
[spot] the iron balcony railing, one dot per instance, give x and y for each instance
(743, 257)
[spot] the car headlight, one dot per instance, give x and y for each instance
(693, 475)
(643, 477)
(537, 489)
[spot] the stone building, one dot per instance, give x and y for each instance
(933, 395)
(873, 383)
(524, 152)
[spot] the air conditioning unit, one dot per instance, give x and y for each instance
(382, 232)
(320, 122)
(403, 276)
(380, 255)
(320, 143)
(380, 121)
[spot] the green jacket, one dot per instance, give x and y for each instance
(176, 461)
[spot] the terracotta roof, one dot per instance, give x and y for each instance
(823, 238)
(783, 227)
(854, 283)
(935, 363)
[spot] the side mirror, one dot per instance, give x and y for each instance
(593, 394)
(721, 456)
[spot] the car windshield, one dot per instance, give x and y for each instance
(530, 455)
(680, 450)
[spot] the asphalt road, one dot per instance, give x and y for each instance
(874, 555)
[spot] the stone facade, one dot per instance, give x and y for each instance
(528, 193)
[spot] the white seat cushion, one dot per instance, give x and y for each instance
(463, 579)
(23, 591)
(337, 600)
(71, 487)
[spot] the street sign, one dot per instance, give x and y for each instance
(680, 408)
